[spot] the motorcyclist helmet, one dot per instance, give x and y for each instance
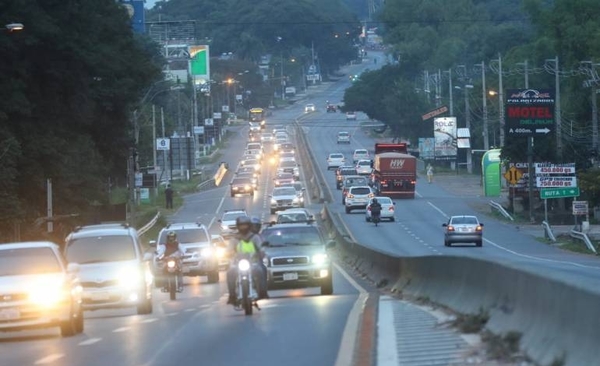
(243, 224)
(256, 225)
(171, 237)
(374, 200)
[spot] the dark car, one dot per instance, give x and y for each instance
(242, 186)
(341, 173)
(331, 108)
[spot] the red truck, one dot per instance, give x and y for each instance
(394, 171)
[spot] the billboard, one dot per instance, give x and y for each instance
(529, 113)
(444, 132)
(200, 66)
(135, 9)
(426, 148)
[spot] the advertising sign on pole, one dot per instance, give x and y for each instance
(217, 115)
(556, 182)
(225, 108)
(139, 179)
(547, 168)
(163, 144)
(444, 132)
(426, 148)
(580, 208)
(208, 122)
(529, 112)
(436, 112)
(199, 130)
(490, 167)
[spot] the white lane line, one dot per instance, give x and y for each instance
(438, 209)
(172, 314)
(346, 351)
(524, 255)
(151, 320)
(87, 342)
(212, 221)
(122, 329)
(387, 348)
(49, 359)
(189, 310)
(418, 194)
(205, 306)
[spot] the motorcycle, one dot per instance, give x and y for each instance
(171, 273)
(246, 294)
(376, 218)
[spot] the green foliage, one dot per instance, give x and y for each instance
(69, 79)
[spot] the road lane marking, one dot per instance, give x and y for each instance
(523, 255)
(49, 359)
(172, 314)
(350, 334)
(87, 342)
(205, 306)
(189, 310)
(387, 348)
(212, 221)
(122, 329)
(151, 320)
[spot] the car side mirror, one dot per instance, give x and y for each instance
(152, 243)
(73, 267)
(393, 203)
(147, 257)
(481, 224)
(330, 244)
(444, 224)
(219, 220)
(265, 244)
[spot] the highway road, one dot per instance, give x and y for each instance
(296, 327)
(418, 230)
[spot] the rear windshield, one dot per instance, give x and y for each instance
(464, 221)
(185, 236)
(363, 163)
(288, 164)
(384, 200)
(348, 171)
(336, 156)
(356, 181)
(343, 134)
(360, 152)
(361, 190)
(242, 181)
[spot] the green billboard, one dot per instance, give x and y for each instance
(490, 168)
(199, 62)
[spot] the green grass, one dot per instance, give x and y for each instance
(567, 243)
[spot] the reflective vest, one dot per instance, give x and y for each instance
(246, 247)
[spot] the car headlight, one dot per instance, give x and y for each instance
(221, 252)
(320, 258)
(273, 201)
(244, 265)
(246, 187)
(224, 227)
(129, 277)
(206, 252)
(265, 261)
(47, 292)
(257, 167)
(296, 199)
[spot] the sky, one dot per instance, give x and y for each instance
(149, 4)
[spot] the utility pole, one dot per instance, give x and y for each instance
(162, 121)
(591, 83)
(282, 81)
(486, 137)
(501, 100)
(450, 92)
(468, 126)
(50, 224)
(154, 157)
(557, 110)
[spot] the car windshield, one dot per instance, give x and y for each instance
(241, 181)
(284, 191)
(251, 161)
(185, 236)
(285, 176)
(287, 164)
(336, 156)
(98, 249)
(291, 217)
(287, 155)
(293, 235)
(231, 216)
(27, 261)
(361, 190)
(464, 220)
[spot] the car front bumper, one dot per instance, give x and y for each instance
(112, 297)
(20, 315)
(285, 277)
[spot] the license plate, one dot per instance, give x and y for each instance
(290, 276)
(100, 296)
(10, 314)
(185, 269)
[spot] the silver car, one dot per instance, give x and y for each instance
(335, 160)
(227, 222)
(358, 197)
(388, 209)
(463, 229)
(283, 198)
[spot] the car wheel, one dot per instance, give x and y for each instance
(348, 210)
(79, 322)
(446, 243)
(145, 307)
(213, 277)
(392, 219)
(68, 328)
(479, 243)
(327, 287)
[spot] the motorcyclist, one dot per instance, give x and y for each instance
(375, 209)
(245, 243)
(171, 249)
(255, 228)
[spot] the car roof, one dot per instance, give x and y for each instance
(310, 224)
(355, 177)
(353, 187)
(364, 161)
(28, 244)
(361, 151)
(336, 154)
(184, 226)
(344, 132)
(465, 216)
(104, 231)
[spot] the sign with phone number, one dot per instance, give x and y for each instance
(556, 182)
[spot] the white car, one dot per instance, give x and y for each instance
(360, 154)
(363, 167)
(283, 198)
(38, 289)
(227, 222)
(351, 116)
(266, 137)
(294, 215)
(335, 160)
(388, 209)
(254, 126)
(309, 108)
(358, 197)
(343, 137)
(289, 167)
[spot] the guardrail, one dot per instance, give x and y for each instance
(501, 209)
(149, 225)
(583, 237)
(548, 231)
(220, 173)
(558, 322)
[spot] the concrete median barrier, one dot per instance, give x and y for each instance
(558, 321)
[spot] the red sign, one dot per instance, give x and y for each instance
(434, 113)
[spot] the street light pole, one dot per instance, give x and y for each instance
(486, 140)
(501, 100)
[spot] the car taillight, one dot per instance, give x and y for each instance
(450, 228)
(413, 182)
(478, 228)
(391, 208)
(371, 195)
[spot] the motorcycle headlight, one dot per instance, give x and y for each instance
(129, 277)
(319, 258)
(171, 264)
(206, 252)
(243, 265)
(47, 292)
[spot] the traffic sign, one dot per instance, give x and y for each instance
(580, 208)
(513, 175)
(529, 112)
(163, 144)
(546, 193)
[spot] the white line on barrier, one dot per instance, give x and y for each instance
(346, 351)
(387, 349)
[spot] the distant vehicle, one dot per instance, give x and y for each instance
(254, 126)
(241, 185)
(351, 116)
(283, 198)
(341, 172)
(358, 197)
(463, 229)
(360, 154)
(266, 137)
(352, 181)
(299, 190)
(331, 108)
(257, 115)
(227, 222)
(289, 166)
(388, 209)
(309, 108)
(394, 171)
(335, 160)
(343, 137)
(283, 179)
(39, 289)
(363, 167)
(293, 215)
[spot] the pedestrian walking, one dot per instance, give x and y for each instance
(429, 173)
(169, 196)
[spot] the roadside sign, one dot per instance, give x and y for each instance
(208, 122)
(163, 144)
(580, 208)
(562, 169)
(217, 115)
(434, 113)
(556, 182)
(225, 108)
(199, 130)
(139, 179)
(546, 193)
(513, 175)
(529, 112)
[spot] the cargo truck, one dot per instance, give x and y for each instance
(394, 171)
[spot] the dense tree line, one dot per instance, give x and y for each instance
(69, 80)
